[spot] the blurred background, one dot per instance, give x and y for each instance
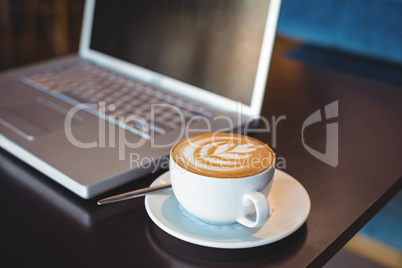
(33, 30)
(366, 34)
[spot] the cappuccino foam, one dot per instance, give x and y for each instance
(223, 155)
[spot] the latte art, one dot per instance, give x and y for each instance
(223, 155)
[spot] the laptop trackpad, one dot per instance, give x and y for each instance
(35, 118)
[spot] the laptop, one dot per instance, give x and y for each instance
(148, 74)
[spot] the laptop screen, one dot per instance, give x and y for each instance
(211, 44)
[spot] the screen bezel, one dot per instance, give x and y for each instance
(180, 87)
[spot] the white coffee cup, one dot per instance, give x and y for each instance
(223, 200)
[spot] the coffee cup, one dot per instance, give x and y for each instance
(223, 178)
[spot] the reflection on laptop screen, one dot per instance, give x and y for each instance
(211, 44)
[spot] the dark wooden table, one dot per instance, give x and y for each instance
(44, 224)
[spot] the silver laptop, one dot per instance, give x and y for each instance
(148, 74)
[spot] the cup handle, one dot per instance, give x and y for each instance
(261, 209)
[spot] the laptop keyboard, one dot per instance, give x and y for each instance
(128, 103)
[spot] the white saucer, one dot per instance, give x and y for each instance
(289, 204)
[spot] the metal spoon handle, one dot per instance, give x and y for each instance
(132, 194)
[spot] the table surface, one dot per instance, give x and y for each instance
(44, 224)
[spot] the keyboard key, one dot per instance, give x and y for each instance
(134, 101)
